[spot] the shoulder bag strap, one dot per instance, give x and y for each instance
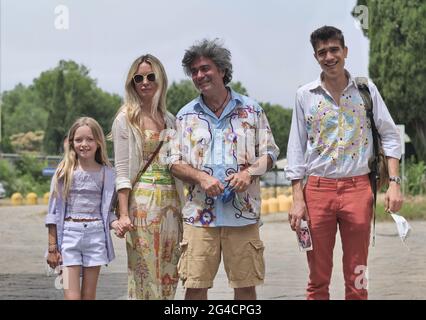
(362, 85)
(147, 164)
(364, 91)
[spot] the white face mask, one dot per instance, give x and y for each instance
(402, 226)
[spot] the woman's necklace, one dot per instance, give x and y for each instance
(148, 122)
(223, 103)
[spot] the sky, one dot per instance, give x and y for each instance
(268, 40)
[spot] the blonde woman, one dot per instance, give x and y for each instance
(149, 209)
(78, 217)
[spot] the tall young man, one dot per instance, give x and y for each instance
(330, 144)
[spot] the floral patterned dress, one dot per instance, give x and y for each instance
(153, 248)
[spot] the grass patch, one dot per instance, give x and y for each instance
(414, 208)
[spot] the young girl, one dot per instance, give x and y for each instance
(79, 217)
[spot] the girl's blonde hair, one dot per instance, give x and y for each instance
(132, 101)
(65, 169)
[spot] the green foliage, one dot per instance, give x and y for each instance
(397, 33)
(415, 177)
(414, 208)
(7, 175)
(69, 93)
(29, 164)
(280, 121)
(22, 111)
(238, 87)
(57, 113)
(24, 176)
(6, 145)
(179, 94)
(53, 102)
(30, 178)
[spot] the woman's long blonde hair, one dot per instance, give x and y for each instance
(132, 101)
(65, 169)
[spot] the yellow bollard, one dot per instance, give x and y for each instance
(46, 197)
(264, 210)
(290, 199)
(285, 203)
(280, 191)
(31, 198)
(282, 198)
(263, 193)
(273, 205)
(16, 199)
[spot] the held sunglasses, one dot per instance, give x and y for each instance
(138, 78)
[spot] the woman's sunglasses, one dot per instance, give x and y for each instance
(138, 78)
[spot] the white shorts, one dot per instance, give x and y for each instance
(84, 244)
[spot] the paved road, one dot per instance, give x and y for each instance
(394, 271)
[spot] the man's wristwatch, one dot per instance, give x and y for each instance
(395, 179)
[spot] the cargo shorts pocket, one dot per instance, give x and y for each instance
(183, 260)
(258, 261)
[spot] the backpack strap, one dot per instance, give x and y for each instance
(364, 91)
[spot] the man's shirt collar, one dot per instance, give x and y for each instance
(201, 106)
(318, 82)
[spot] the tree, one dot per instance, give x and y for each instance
(21, 112)
(238, 87)
(75, 96)
(280, 121)
(53, 102)
(55, 131)
(397, 33)
(179, 94)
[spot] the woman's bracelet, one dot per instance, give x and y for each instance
(52, 247)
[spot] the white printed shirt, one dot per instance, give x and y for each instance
(335, 140)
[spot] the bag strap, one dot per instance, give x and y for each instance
(362, 84)
(364, 91)
(147, 164)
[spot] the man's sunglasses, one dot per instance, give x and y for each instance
(138, 78)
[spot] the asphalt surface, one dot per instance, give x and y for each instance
(396, 271)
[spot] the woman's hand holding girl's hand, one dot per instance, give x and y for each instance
(118, 228)
(126, 224)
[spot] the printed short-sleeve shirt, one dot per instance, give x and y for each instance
(220, 147)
